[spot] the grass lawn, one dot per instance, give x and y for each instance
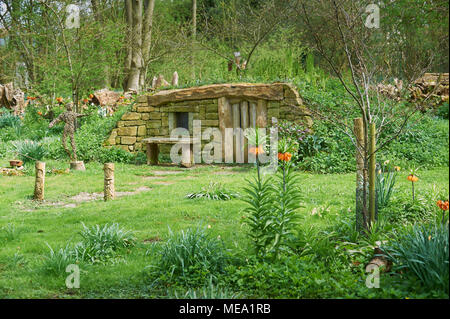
(156, 202)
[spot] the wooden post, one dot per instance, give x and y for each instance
(238, 150)
(261, 114)
(359, 134)
(109, 191)
(372, 176)
(245, 122)
(225, 121)
(40, 181)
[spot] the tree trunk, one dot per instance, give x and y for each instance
(194, 36)
(360, 175)
(372, 163)
(134, 75)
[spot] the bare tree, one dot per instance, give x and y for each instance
(367, 59)
(242, 27)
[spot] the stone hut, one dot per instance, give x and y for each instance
(218, 106)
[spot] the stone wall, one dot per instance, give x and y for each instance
(155, 115)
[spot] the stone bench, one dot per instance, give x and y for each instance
(153, 149)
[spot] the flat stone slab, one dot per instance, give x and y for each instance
(271, 92)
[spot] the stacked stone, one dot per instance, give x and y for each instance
(152, 116)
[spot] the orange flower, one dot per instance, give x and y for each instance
(257, 150)
(39, 113)
(59, 99)
(412, 178)
(286, 157)
(85, 100)
(29, 98)
(443, 204)
(121, 97)
(91, 96)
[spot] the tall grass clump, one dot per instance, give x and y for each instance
(7, 119)
(385, 183)
(57, 260)
(191, 254)
(101, 243)
(29, 150)
(214, 191)
(422, 252)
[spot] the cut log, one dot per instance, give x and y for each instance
(109, 191)
(40, 181)
(380, 261)
(77, 166)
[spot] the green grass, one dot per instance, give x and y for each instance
(27, 227)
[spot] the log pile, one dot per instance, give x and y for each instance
(436, 84)
(12, 98)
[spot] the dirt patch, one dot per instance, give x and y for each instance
(86, 197)
(223, 173)
(152, 177)
(166, 172)
(151, 240)
(163, 183)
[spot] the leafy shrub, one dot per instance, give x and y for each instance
(7, 119)
(423, 252)
(403, 210)
(101, 243)
(442, 111)
(214, 191)
(30, 150)
(191, 256)
(271, 208)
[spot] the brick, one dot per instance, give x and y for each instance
(211, 108)
(130, 116)
(153, 124)
(146, 109)
(212, 123)
(134, 123)
(142, 130)
(128, 140)
(212, 116)
(154, 115)
(127, 131)
(141, 99)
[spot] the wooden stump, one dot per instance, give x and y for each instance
(152, 153)
(77, 166)
(40, 181)
(109, 191)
